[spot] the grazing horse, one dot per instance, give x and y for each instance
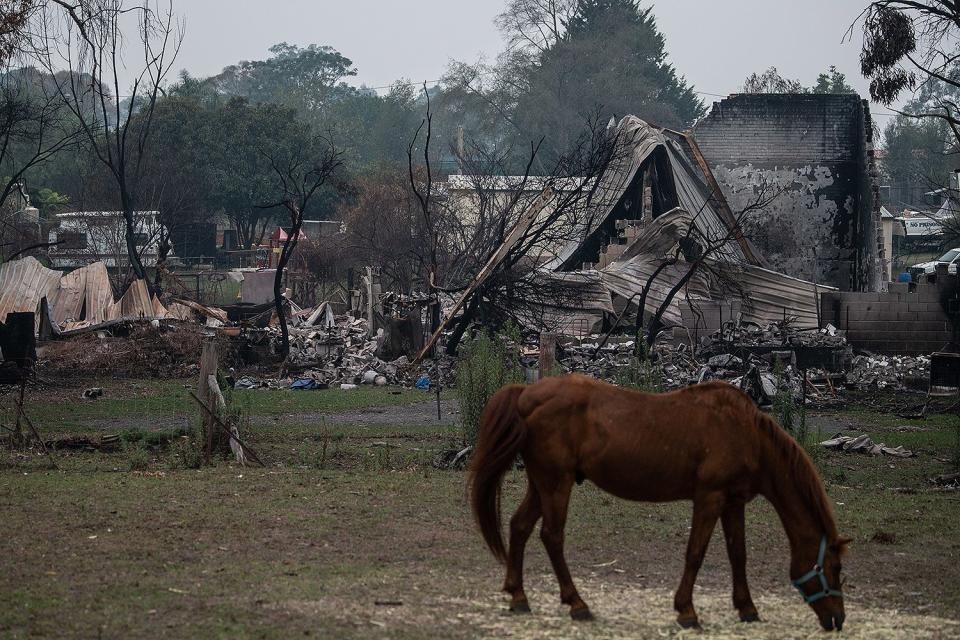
(707, 443)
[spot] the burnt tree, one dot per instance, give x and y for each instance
(300, 171)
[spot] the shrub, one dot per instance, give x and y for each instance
(185, 454)
(641, 375)
(487, 364)
(138, 458)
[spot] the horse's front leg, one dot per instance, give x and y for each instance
(707, 508)
(521, 526)
(555, 499)
(735, 537)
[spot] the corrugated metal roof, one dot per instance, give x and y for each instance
(637, 141)
(23, 283)
(765, 295)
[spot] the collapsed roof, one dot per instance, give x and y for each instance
(658, 185)
(75, 301)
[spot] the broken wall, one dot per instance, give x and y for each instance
(813, 151)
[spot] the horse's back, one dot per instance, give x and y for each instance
(639, 445)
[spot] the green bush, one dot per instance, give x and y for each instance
(185, 454)
(486, 365)
(138, 458)
(640, 375)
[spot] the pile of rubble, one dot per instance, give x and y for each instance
(883, 372)
(328, 350)
(758, 359)
(775, 334)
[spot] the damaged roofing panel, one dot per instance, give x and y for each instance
(628, 277)
(637, 143)
(577, 303)
(770, 296)
(99, 294)
(765, 295)
(66, 304)
(23, 283)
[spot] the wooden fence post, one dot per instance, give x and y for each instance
(548, 353)
(208, 367)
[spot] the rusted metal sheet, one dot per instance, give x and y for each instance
(66, 304)
(23, 283)
(134, 304)
(99, 292)
(627, 279)
(765, 295)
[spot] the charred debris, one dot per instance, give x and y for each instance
(655, 267)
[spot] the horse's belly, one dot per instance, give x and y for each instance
(648, 484)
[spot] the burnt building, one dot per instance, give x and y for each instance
(814, 155)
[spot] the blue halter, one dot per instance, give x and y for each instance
(817, 572)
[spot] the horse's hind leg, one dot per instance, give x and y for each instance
(521, 526)
(734, 534)
(555, 499)
(707, 508)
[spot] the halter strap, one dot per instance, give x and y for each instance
(817, 572)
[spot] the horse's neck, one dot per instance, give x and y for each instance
(800, 520)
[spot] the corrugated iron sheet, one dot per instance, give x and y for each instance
(765, 295)
(67, 302)
(23, 283)
(769, 296)
(573, 303)
(99, 295)
(637, 142)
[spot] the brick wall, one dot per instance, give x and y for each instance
(811, 151)
(898, 321)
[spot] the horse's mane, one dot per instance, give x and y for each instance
(805, 480)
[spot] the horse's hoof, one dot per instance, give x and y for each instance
(750, 617)
(520, 607)
(581, 615)
(689, 623)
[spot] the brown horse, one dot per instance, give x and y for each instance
(707, 443)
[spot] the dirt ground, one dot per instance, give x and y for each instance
(350, 532)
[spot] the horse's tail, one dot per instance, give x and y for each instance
(502, 433)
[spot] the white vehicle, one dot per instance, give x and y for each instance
(950, 258)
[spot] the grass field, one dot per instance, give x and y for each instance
(351, 532)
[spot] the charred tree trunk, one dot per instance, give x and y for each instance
(285, 253)
(453, 343)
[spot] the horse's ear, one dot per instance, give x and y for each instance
(840, 544)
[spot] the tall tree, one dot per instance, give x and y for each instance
(770, 81)
(88, 37)
(309, 78)
(907, 43)
(605, 58)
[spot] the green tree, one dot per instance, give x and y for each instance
(308, 78)
(611, 60)
(832, 82)
(771, 81)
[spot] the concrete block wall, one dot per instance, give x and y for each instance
(895, 322)
(810, 151)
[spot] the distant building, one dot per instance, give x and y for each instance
(84, 237)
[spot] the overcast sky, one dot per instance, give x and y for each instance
(714, 44)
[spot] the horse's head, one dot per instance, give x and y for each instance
(820, 586)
